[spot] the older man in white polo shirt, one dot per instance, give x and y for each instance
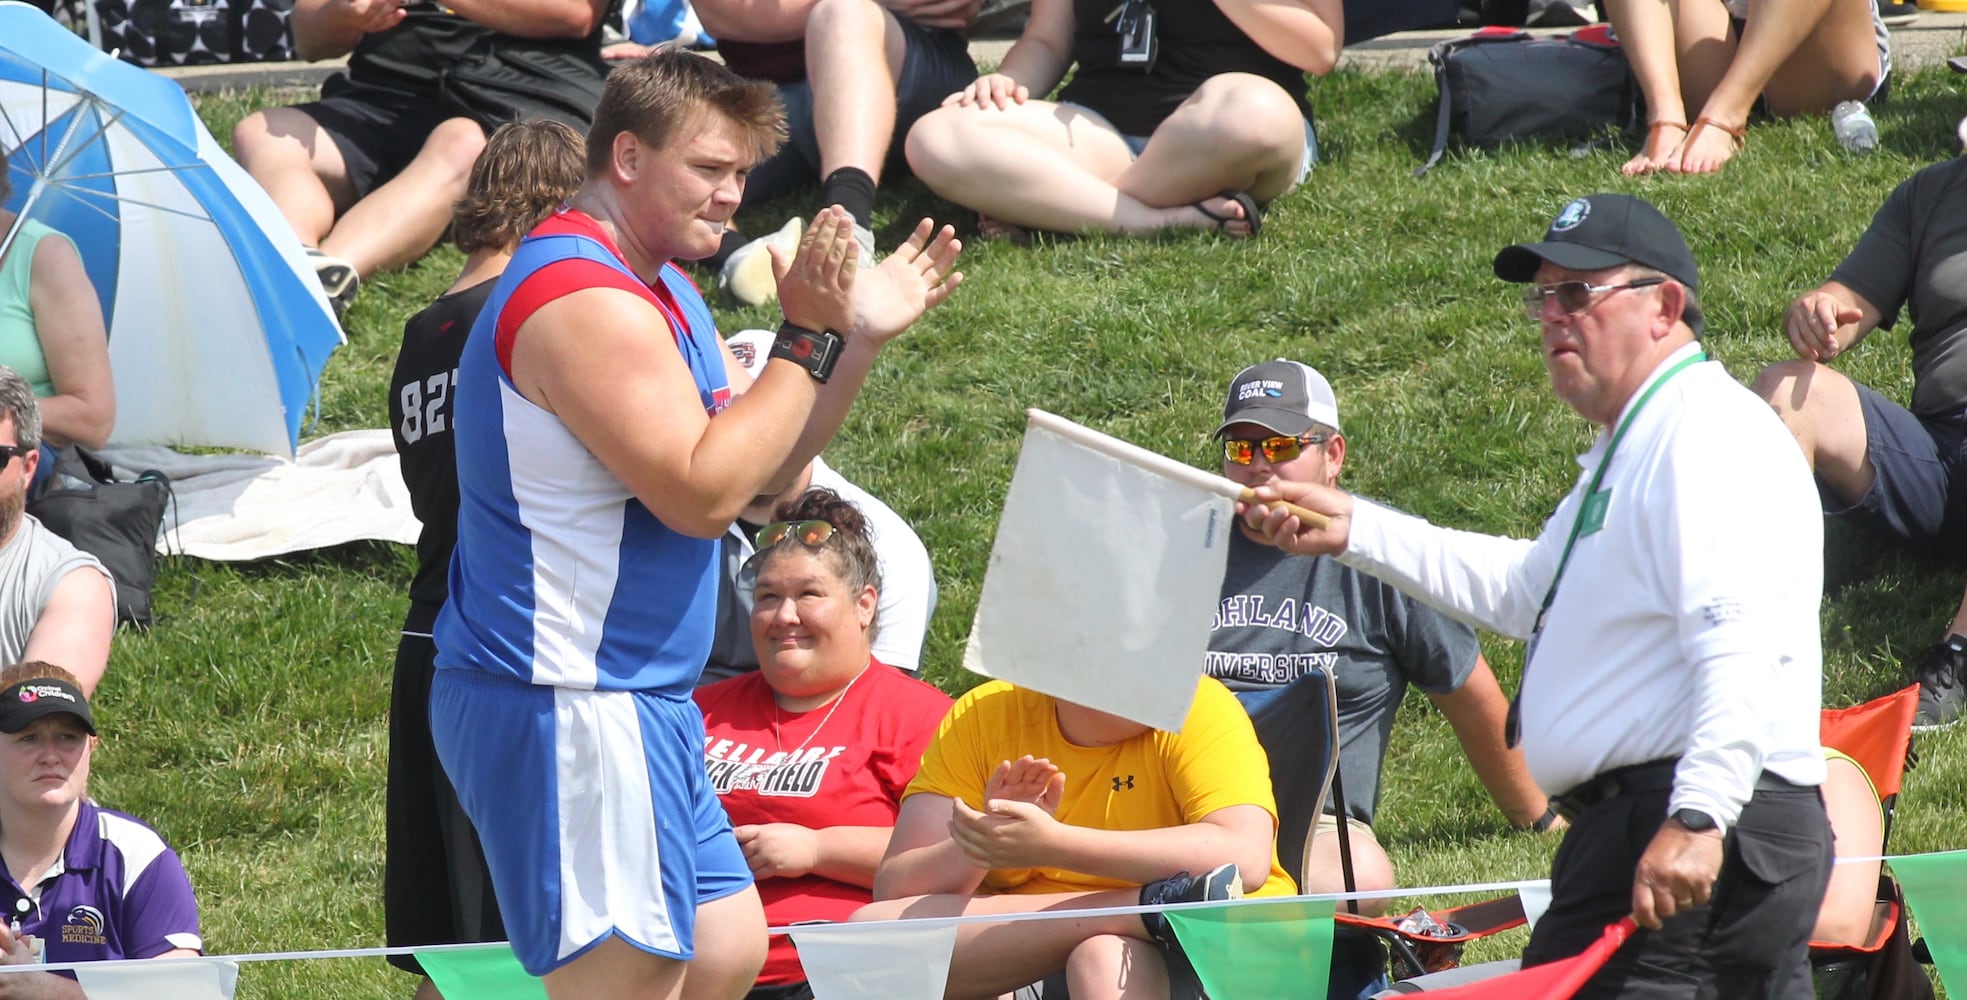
(1674, 671)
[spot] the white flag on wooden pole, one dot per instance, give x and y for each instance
(1105, 574)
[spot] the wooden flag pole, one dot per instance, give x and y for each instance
(1311, 518)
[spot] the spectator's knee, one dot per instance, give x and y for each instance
(1250, 115)
(833, 23)
(935, 143)
(1779, 384)
(249, 138)
(455, 144)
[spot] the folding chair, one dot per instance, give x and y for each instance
(1878, 736)
(1298, 725)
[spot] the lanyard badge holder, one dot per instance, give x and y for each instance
(1133, 21)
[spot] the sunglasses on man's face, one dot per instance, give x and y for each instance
(9, 452)
(811, 534)
(1574, 298)
(1243, 451)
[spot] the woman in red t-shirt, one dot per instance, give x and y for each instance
(810, 755)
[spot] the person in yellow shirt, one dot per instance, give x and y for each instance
(1025, 803)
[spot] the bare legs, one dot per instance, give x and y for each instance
(853, 96)
(301, 168)
(1803, 56)
(1049, 166)
(730, 951)
(1105, 957)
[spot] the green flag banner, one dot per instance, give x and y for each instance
(488, 973)
(1266, 949)
(1936, 888)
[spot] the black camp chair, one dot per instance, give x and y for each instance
(1298, 725)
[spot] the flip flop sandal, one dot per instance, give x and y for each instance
(1252, 214)
(1739, 135)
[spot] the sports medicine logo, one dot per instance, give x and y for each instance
(83, 926)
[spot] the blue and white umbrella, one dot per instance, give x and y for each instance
(218, 330)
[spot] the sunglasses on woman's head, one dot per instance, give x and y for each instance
(811, 534)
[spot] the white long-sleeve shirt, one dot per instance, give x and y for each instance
(1686, 626)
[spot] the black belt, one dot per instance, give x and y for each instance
(1633, 779)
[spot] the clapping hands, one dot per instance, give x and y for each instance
(1016, 827)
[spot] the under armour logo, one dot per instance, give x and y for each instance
(1116, 782)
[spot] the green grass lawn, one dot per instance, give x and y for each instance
(249, 724)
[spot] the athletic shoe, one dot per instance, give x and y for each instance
(747, 273)
(337, 277)
(1941, 691)
(1221, 882)
(865, 237)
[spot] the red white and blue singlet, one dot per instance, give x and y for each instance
(561, 576)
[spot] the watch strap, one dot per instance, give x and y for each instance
(817, 351)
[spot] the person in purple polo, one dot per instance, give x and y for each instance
(83, 883)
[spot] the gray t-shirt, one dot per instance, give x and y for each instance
(1914, 255)
(30, 566)
(1282, 616)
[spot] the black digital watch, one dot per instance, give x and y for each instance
(814, 350)
(1694, 820)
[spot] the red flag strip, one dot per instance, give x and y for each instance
(1551, 981)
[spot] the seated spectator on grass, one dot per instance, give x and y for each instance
(811, 753)
(56, 601)
(1704, 65)
(436, 888)
(1898, 469)
(86, 883)
(368, 174)
(1282, 617)
(1185, 113)
(908, 591)
(51, 330)
(1027, 803)
(854, 75)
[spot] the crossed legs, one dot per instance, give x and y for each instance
(1057, 167)
(300, 166)
(1802, 56)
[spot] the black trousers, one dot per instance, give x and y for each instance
(1751, 941)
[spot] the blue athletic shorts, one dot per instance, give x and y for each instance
(594, 809)
(1918, 494)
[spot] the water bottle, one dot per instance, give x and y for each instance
(1856, 131)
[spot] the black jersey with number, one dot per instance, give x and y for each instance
(420, 420)
(1197, 41)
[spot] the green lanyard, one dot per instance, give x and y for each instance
(1592, 509)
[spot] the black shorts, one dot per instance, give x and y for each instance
(378, 130)
(1917, 493)
(1751, 940)
(436, 887)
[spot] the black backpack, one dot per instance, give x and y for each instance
(1499, 85)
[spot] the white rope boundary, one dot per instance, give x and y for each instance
(1064, 913)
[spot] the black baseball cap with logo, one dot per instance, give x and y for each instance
(1287, 397)
(1607, 230)
(23, 703)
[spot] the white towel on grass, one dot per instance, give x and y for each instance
(340, 488)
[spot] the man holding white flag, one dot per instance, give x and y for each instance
(1674, 674)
